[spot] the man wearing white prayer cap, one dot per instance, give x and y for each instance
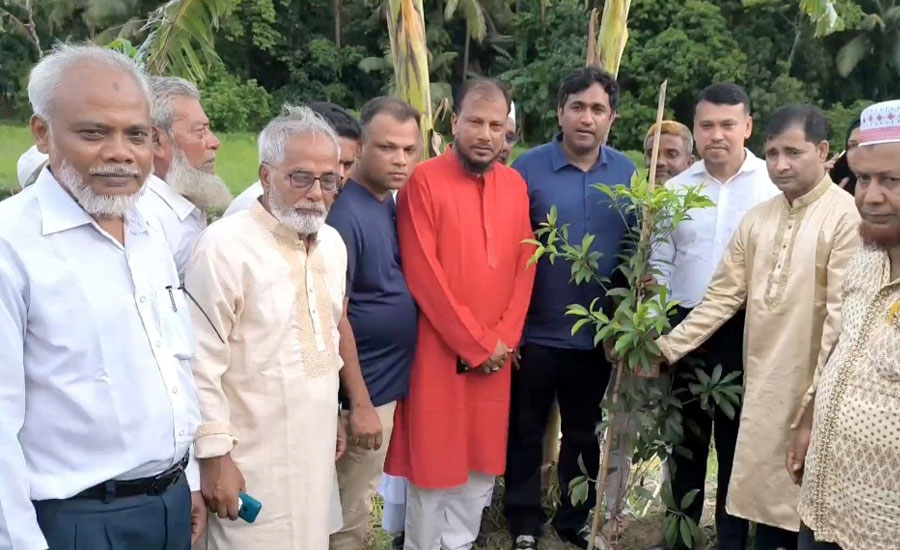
(29, 166)
(850, 419)
(511, 136)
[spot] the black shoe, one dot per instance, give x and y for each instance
(580, 538)
(397, 544)
(525, 542)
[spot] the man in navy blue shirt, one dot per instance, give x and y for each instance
(555, 364)
(379, 306)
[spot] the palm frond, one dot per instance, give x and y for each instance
(824, 15)
(181, 37)
(852, 53)
(473, 14)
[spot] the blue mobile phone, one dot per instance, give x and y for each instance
(249, 507)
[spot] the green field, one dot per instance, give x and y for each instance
(237, 161)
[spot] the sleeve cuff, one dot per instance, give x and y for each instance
(192, 473)
(666, 351)
(213, 445)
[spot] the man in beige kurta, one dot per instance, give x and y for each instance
(269, 288)
(785, 266)
(851, 480)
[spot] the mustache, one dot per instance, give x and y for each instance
(311, 206)
(115, 170)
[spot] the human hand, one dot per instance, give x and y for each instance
(199, 515)
(341, 443)
(496, 361)
(844, 183)
(365, 427)
(220, 483)
(517, 358)
(796, 454)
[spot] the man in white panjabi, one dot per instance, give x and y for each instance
(269, 287)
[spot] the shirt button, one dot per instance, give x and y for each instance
(157, 343)
(181, 433)
(143, 299)
(174, 389)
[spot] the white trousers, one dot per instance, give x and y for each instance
(446, 519)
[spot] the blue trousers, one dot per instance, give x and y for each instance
(133, 523)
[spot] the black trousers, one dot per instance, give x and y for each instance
(577, 379)
(141, 522)
(807, 541)
(724, 348)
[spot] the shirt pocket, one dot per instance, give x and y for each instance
(175, 323)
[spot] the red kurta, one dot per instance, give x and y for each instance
(465, 264)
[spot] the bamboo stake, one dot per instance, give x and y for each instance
(610, 431)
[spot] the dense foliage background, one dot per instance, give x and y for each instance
(273, 51)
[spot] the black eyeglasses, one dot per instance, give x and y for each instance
(302, 180)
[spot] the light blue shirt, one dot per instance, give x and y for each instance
(95, 356)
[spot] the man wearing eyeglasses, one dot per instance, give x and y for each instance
(349, 132)
(269, 286)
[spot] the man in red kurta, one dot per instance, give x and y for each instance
(461, 221)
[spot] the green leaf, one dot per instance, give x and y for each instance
(688, 499)
(578, 325)
(671, 531)
(686, 535)
(578, 490)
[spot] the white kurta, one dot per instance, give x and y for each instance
(268, 394)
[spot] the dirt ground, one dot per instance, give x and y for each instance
(639, 534)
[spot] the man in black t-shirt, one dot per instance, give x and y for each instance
(380, 308)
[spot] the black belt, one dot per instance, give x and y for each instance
(153, 486)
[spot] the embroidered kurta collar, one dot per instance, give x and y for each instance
(812, 195)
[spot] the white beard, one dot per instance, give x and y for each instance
(204, 190)
(95, 204)
(304, 223)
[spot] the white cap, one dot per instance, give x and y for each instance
(880, 123)
(30, 162)
(512, 111)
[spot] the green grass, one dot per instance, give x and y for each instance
(237, 161)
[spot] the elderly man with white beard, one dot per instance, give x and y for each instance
(184, 186)
(269, 285)
(98, 407)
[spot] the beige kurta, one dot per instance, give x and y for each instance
(268, 394)
(851, 484)
(786, 264)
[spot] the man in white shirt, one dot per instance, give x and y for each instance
(736, 181)
(98, 407)
(184, 185)
(349, 132)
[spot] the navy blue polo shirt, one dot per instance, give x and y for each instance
(553, 180)
(381, 310)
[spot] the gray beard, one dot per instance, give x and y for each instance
(287, 214)
(95, 204)
(206, 191)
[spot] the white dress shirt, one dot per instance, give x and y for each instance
(245, 200)
(95, 360)
(181, 221)
(690, 258)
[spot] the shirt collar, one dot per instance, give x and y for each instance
(560, 160)
(750, 164)
(180, 205)
(60, 212)
(813, 194)
(271, 224)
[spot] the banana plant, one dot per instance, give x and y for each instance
(181, 37)
(824, 15)
(409, 56)
(606, 46)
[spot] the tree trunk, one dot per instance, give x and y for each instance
(466, 53)
(337, 23)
